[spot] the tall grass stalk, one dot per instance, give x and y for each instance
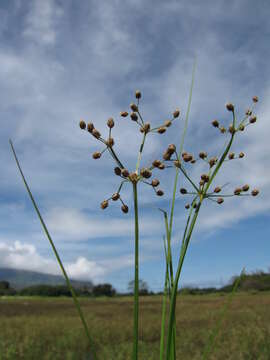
(76, 302)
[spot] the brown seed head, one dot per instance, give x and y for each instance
(253, 119)
(167, 123)
(124, 208)
(241, 127)
(104, 204)
(133, 177)
(160, 193)
(82, 125)
(161, 166)
(255, 99)
(183, 191)
(248, 112)
(110, 123)
(217, 189)
(161, 130)
(177, 163)
(155, 182)
(237, 191)
(146, 173)
(231, 129)
(134, 107)
(156, 163)
(187, 157)
(202, 154)
(241, 154)
(245, 187)
(222, 129)
(187, 206)
(96, 155)
(117, 171)
(255, 192)
(205, 177)
(215, 123)
(201, 182)
(110, 142)
(171, 148)
(124, 113)
(212, 161)
(138, 94)
(220, 200)
(124, 172)
(90, 127)
(230, 107)
(115, 196)
(146, 127)
(176, 113)
(166, 155)
(231, 155)
(134, 116)
(96, 133)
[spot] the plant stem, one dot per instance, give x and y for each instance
(136, 275)
(77, 305)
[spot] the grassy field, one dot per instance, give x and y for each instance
(34, 328)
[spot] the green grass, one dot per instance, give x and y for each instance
(43, 328)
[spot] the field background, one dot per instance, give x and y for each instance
(49, 328)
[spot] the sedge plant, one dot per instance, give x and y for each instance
(200, 191)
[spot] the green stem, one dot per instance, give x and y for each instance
(55, 253)
(140, 153)
(136, 275)
(165, 292)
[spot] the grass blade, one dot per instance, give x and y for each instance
(55, 253)
(164, 301)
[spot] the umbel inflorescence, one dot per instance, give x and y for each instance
(142, 174)
(171, 158)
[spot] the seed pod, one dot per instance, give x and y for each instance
(255, 99)
(124, 113)
(248, 112)
(193, 161)
(146, 173)
(104, 204)
(160, 193)
(215, 123)
(230, 107)
(201, 182)
(202, 154)
(96, 133)
(187, 206)
(82, 124)
(96, 155)
(255, 192)
(171, 148)
(115, 196)
(217, 189)
(187, 157)
(237, 191)
(146, 127)
(183, 191)
(161, 130)
(167, 155)
(222, 129)
(231, 129)
(177, 163)
(253, 119)
(90, 127)
(241, 154)
(133, 177)
(231, 156)
(134, 107)
(205, 177)
(220, 200)
(138, 94)
(212, 161)
(167, 123)
(124, 208)
(134, 116)
(124, 172)
(110, 123)
(245, 187)
(117, 171)
(110, 142)
(156, 163)
(241, 127)
(161, 166)
(155, 182)
(176, 113)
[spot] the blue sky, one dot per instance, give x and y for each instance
(62, 61)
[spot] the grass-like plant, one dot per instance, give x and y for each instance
(200, 190)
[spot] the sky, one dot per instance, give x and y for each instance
(62, 61)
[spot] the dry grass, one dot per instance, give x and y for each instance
(33, 328)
